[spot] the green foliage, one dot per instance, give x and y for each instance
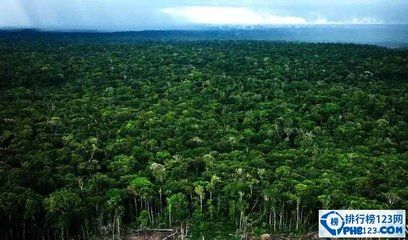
(228, 138)
(144, 220)
(177, 208)
(62, 201)
(140, 186)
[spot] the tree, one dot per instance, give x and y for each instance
(63, 205)
(159, 173)
(177, 208)
(114, 198)
(144, 220)
(141, 187)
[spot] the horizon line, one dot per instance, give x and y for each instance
(197, 27)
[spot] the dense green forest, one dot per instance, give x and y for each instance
(226, 138)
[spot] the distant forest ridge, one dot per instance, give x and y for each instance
(394, 36)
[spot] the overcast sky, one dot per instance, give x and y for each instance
(172, 14)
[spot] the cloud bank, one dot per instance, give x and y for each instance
(229, 16)
(214, 15)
